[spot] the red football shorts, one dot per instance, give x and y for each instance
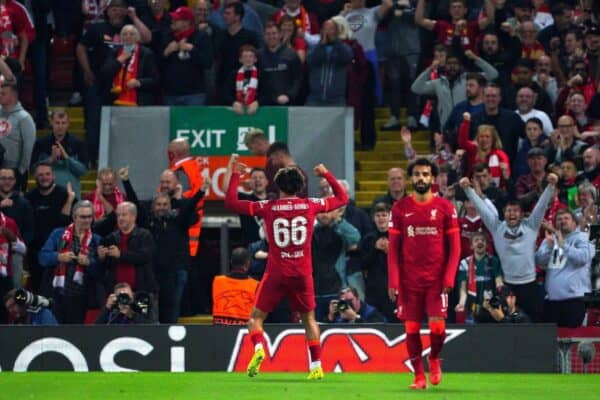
(418, 301)
(299, 290)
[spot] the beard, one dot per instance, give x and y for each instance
(45, 186)
(421, 187)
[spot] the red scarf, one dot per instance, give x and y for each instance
(9, 39)
(4, 250)
(99, 208)
(183, 34)
(128, 71)
(65, 246)
(471, 279)
(245, 92)
(424, 120)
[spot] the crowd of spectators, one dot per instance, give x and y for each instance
(508, 89)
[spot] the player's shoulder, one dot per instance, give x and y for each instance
(446, 204)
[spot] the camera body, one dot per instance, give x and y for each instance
(342, 305)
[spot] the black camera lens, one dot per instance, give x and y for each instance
(495, 302)
(123, 299)
(342, 305)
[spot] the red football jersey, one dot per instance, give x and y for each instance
(288, 224)
(424, 248)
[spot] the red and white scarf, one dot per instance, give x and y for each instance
(471, 279)
(7, 35)
(99, 208)
(65, 246)
(245, 92)
(428, 108)
(126, 96)
(4, 250)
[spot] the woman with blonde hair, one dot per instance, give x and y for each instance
(486, 149)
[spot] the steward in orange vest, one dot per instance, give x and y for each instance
(188, 171)
(234, 293)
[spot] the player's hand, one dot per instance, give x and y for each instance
(320, 170)
(459, 307)
(464, 183)
(393, 293)
(466, 116)
(552, 179)
(123, 173)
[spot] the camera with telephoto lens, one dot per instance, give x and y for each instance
(141, 303)
(342, 305)
(33, 302)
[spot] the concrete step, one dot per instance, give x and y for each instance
(380, 175)
(379, 155)
(379, 165)
(371, 186)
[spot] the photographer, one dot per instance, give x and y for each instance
(123, 307)
(503, 309)
(350, 309)
(26, 308)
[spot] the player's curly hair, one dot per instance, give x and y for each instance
(289, 180)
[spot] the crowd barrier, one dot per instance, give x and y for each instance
(179, 348)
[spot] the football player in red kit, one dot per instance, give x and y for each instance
(423, 256)
(288, 223)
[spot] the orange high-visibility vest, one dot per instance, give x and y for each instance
(191, 168)
(233, 298)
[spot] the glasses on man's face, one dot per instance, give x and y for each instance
(86, 216)
(7, 178)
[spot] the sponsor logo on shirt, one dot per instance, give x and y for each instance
(413, 231)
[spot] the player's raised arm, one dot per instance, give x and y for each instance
(235, 169)
(341, 197)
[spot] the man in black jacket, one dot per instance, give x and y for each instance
(280, 71)
(127, 254)
(509, 125)
(186, 55)
(168, 220)
(373, 249)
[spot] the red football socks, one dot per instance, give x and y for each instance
(438, 335)
(415, 347)
(257, 338)
(314, 347)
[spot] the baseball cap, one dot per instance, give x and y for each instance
(182, 13)
(536, 151)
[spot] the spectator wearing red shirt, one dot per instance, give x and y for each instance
(305, 21)
(291, 38)
(459, 27)
(126, 255)
(579, 80)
